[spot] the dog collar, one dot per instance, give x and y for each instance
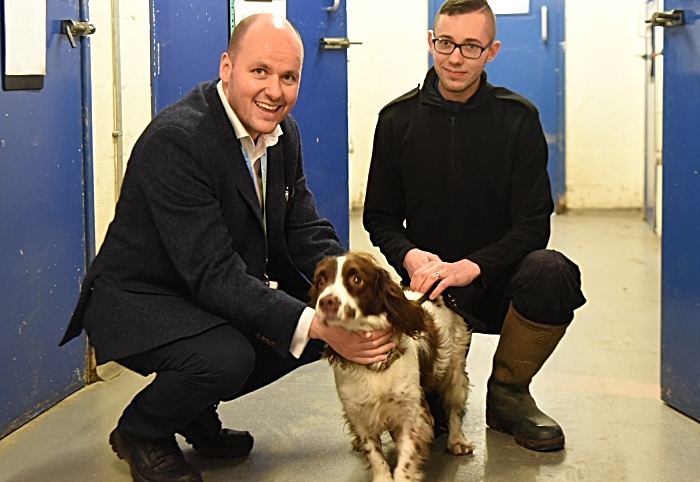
(393, 355)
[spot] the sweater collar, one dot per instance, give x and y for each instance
(431, 95)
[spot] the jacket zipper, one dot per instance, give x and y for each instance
(453, 156)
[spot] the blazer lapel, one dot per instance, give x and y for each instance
(232, 147)
(244, 184)
(277, 192)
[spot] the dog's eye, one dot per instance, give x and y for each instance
(321, 282)
(357, 281)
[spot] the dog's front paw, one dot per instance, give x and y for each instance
(358, 446)
(383, 478)
(460, 447)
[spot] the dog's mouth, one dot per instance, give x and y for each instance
(336, 316)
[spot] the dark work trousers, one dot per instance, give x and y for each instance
(195, 373)
(544, 287)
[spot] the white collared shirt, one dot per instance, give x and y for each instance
(255, 151)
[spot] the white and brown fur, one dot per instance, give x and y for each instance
(432, 341)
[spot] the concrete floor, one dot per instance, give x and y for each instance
(601, 385)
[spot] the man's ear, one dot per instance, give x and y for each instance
(225, 66)
(493, 50)
(430, 40)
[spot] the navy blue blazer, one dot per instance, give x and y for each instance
(187, 251)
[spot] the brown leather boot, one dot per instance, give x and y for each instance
(522, 350)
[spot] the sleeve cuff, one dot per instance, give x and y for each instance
(301, 334)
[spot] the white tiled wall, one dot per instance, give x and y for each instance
(136, 95)
(605, 104)
(392, 60)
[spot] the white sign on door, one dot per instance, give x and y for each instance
(510, 7)
(245, 8)
(25, 37)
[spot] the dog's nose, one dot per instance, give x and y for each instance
(329, 305)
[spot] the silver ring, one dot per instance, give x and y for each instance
(437, 274)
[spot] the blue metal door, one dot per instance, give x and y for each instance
(188, 40)
(531, 63)
(680, 240)
(42, 229)
(191, 38)
(322, 109)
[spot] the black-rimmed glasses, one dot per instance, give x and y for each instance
(468, 50)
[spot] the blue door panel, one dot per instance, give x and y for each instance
(534, 68)
(189, 38)
(42, 232)
(322, 109)
(680, 241)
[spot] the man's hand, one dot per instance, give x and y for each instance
(460, 273)
(364, 347)
(416, 259)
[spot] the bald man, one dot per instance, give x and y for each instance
(203, 276)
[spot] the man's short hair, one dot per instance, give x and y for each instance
(460, 7)
(239, 31)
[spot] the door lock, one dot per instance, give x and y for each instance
(674, 18)
(74, 29)
(336, 43)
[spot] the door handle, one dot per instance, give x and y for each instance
(336, 43)
(74, 29)
(545, 24)
(674, 18)
(336, 4)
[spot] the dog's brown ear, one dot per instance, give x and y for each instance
(406, 316)
(313, 291)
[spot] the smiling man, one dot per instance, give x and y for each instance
(203, 276)
(458, 200)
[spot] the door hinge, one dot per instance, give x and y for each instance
(74, 29)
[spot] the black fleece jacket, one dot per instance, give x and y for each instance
(467, 184)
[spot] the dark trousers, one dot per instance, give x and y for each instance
(195, 373)
(544, 287)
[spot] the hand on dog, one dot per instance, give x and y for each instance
(416, 259)
(363, 347)
(460, 273)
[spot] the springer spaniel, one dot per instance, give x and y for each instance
(432, 341)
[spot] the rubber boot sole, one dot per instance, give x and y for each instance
(550, 445)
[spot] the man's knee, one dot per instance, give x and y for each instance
(222, 369)
(548, 271)
(547, 287)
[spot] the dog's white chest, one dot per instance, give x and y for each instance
(367, 388)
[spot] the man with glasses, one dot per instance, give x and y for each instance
(458, 200)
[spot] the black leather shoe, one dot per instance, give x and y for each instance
(153, 460)
(207, 437)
